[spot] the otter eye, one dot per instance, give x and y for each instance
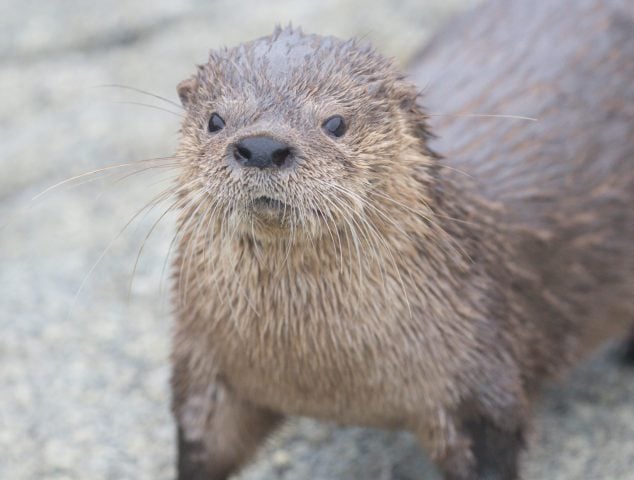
(216, 123)
(334, 126)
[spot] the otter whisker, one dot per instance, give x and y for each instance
(190, 247)
(101, 256)
(96, 171)
(147, 236)
(170, 191)
(188, 199)
(356, 220)
(215, 205)
(336, 209)
(166, 166)
(139, 90)
(308, 221)
(455, 249)
(335, 228)
(195, 218)
(288, 245)
(360, 215)
(148, 105)
(185, 196)
(241, 289)
(328, 217)
(483, 115)
(226, 237)
(204, 223)
(369, 205)
(348, 218)
(388, 249)
(208, 217)
(371, 235)
(454, 169)
(171, 178)
(351, 230)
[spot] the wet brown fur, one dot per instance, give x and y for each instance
(396, 288)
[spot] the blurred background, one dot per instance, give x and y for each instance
(84, 336)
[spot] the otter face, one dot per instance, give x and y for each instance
(289, 134)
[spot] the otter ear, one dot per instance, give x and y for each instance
(406, 94)
(186, 90)
(376, 88)
(403, 92)
(409, 101)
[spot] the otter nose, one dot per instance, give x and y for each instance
(262, 152)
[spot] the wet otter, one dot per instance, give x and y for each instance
(332, 264)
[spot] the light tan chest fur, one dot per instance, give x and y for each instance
(364, 343)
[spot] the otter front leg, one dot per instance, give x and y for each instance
(496, 451)
(628, 348)
(217, 432)
(482, 450)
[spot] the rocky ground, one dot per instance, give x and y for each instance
(84, 349)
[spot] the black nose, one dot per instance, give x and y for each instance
(262, 152)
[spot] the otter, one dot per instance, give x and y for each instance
(352, 250)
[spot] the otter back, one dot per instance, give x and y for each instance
(566, 178)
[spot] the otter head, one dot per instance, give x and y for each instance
(288, 136)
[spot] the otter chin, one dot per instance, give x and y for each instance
(266, 217)
(332, 264)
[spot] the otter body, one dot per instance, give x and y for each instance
(564, 182)
(332, 264)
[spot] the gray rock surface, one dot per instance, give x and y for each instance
(83, 350)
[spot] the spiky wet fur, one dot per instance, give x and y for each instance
(389, 292)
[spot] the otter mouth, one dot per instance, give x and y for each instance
(265, 203)
(264, 215)
(275, 210)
